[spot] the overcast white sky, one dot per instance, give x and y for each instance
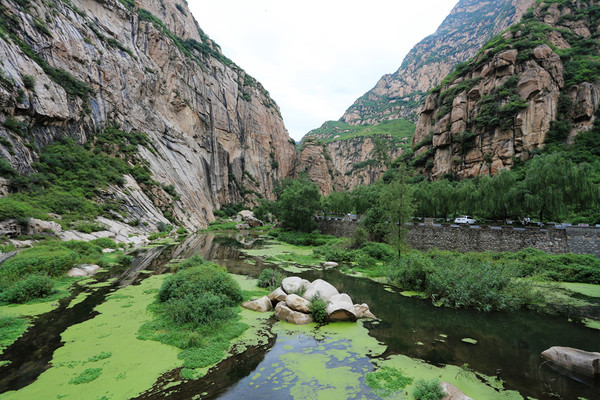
(317, 57)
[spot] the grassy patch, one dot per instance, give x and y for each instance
(10, 329)
(87, 376)
(400, 131)
(387, 381)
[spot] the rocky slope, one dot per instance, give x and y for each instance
(338, 156)
(74, 67)
(397, 98)
(534, 84)
(470, 24)
(341, 165)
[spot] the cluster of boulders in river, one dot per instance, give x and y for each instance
(291, 302)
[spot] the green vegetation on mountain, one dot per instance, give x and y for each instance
(461, 34)
(400, 132)
(69, 180)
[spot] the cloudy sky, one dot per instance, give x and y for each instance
(317, 57)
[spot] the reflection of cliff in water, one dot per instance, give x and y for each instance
(225, 250)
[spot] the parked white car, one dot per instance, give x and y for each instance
(465, 219)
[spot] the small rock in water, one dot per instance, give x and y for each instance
(330, 264)
(263, 304)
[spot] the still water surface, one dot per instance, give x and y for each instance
(508, 344)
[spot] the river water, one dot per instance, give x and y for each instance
(508, 345)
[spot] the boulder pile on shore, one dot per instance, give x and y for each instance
(291, 302)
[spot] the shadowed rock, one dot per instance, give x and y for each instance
(284, 313)
(298, 303)
(277, 295)
(340, 308)
(579, 361)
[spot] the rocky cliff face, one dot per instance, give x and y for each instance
(535, 83)
(470, 24)
(73, 67)
(341, 165)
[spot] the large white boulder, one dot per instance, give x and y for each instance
(83, 270)
(293, 284)
(297, 303)
(263, 304)
(340, 308)
(323, 289)
(284, 313)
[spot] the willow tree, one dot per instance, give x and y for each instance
(500, 195)
(554, 184)
(397, 202)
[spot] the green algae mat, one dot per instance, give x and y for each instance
(102, 357)
(334, 361)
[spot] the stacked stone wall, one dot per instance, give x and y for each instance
(486, 238)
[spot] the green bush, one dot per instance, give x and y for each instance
(32, 287)
(270, 278)
(335, 252)
(199, 294)
(29, 82)
(463, 280)
(428, 390)
(317, 309)
(105, 243)
(380, 251)
(51, 258)
(199, 308)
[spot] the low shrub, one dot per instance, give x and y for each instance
(301, 238)
(380, 251)
(199, 294)
(199, 308)
(317, 309)
(52, 258)
(462, 281)
(105, 243)
(387, 381)
(32, 287)
(333, 252)
(270, 278)
(428, 390)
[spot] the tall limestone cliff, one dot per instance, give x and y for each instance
(536, 84)
(470, 24)
(74, 67)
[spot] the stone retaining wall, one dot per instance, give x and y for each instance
(486, 238)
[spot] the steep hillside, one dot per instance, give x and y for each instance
(387, 111)
(470, 24)
(139, 82)
(536, 84)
